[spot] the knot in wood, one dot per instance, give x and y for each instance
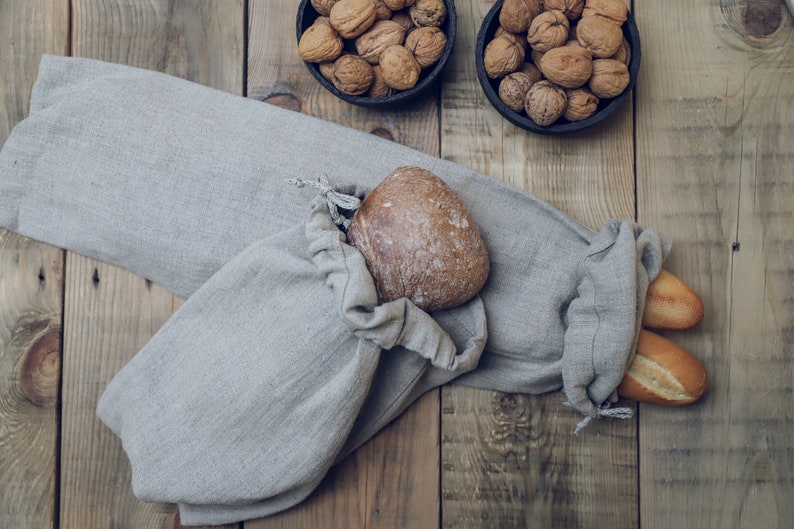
(40, 368)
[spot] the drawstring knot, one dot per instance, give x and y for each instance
(334, 199)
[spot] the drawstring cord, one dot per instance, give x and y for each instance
(333, 198)
(612, 413)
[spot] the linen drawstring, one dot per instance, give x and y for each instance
(612, 413)
(333, 198)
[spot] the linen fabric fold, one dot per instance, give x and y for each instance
(176, 182)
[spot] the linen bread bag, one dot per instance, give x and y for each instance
(249, 393)
(185, 185)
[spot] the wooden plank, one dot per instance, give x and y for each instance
(111, 313)
(511, 461)
(392, 481)
(31, 289)
(714, 158)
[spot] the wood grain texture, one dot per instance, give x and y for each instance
(111, 313)
(392, 481)
(31, 288)
(714, 173)
(511, 460)
(713, 159)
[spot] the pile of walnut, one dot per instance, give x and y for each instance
(557, 59)
(374, 48)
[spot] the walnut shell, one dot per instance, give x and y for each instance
(419, 241)
(502, 56)
(323, 7)
(536, 57)
(516, 15)
(548, 30)
(599, 35)
(624, 53)
(427, 44)
(400, 68)
(396, 5)
(351, 18)
(326, 69)
(371, 44)
(404, 20)
(519, 38)
(382, 11)
(572, 8)
(513, 89)
(352, 75)
(532, 71)
(379, 88)
(581, 104)
(614, 10)
(609, 79)
(545, 102)
(320, 43)
(567, 66)
(428, 12)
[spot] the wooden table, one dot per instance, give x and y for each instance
(704, 152)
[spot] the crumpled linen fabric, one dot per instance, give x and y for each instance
(185, 185)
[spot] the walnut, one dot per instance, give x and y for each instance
(382, 11)
(427, 44)
(609, 79)
(326, 69)
(400, 69)
(428, 12)
(319, 43)
(599, 35)
(323, 7)
(624, 53)
(548, 30)
(614, 10)
(519, 38)
(536, 57)
(516, 15)
(351, 18)
(581, 104)
(532, 71)
(502, 56)
(371, 44)
(379, 88)
(404, 20)
(396, 5)
(352, 75)
(572, 8)
(545, 102)
(513, 88)
(567, 66)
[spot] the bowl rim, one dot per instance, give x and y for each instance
(488, 27)
(426, 80)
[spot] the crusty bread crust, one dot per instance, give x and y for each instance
(671, 304)
(419, 241)
(663, 373)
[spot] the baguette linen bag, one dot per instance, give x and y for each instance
(185, 185)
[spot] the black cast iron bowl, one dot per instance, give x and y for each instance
(428, 78)
(605, 108)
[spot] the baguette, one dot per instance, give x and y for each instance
(663, 373)
(670, 304)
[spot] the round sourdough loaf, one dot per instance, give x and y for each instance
(419, 241)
